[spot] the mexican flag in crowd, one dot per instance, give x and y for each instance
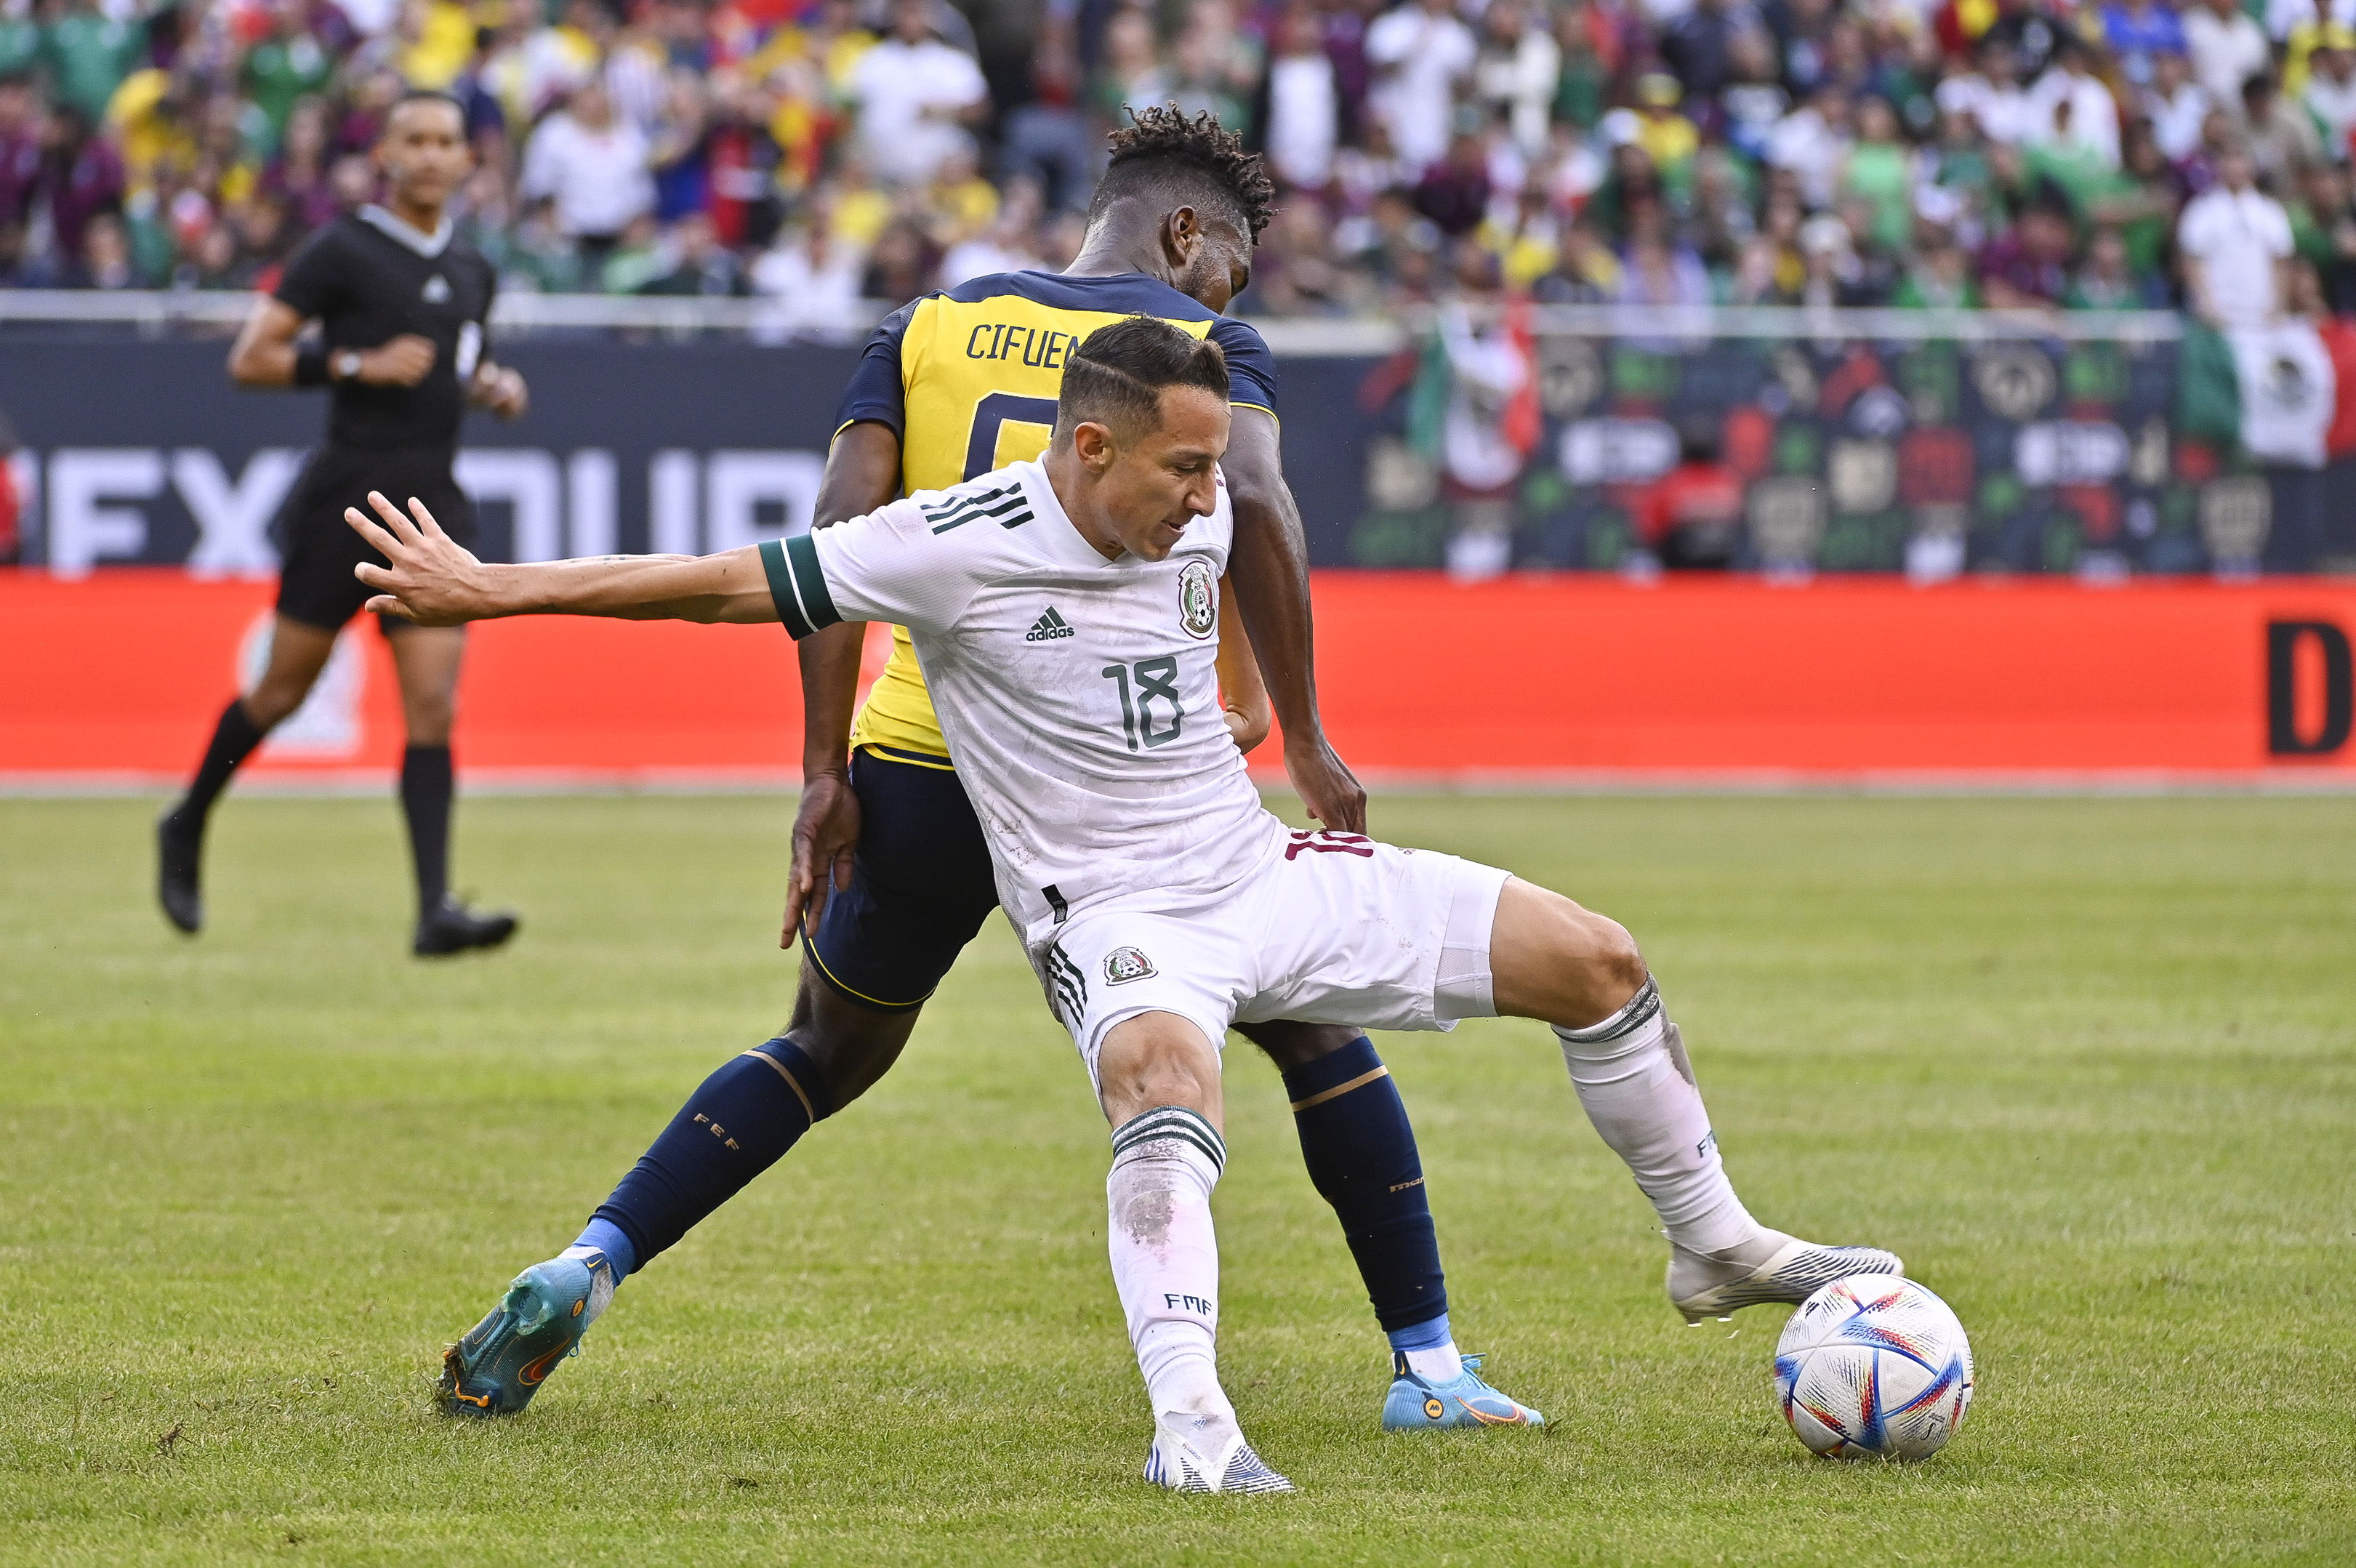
(2286, 392)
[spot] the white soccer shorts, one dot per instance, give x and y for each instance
(1340, 929)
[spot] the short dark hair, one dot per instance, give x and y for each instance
(1187, 163)
(1116, 377)
(424, 95)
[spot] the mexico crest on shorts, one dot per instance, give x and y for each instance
(1125, 964)
(1198, 601)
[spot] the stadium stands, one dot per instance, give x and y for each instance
(1852, 152)
(2159, 197)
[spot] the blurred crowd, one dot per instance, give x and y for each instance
(2024, 153)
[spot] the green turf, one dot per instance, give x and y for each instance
(2090, 1065)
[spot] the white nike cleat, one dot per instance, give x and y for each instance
(1205, 1453)
(1771, 1266)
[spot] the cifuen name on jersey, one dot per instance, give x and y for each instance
(1006, 341)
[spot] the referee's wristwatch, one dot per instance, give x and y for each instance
(345, 363)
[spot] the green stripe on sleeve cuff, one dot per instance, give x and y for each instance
(801, 553)
(781, 589)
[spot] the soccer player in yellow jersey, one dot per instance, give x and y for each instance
(892, 874)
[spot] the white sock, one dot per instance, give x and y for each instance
(1165, 1257)
(1633, 1077)
(1439, 1364)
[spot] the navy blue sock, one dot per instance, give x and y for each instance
(1360, 1151)
(737, 1123)
(621, 1255)
(1423, 1336)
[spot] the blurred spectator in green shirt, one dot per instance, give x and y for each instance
(88, 53)
(299, 57)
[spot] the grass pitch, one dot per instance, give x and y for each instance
(2089, 1065)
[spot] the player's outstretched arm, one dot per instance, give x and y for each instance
(1270, 568)
(435, 581)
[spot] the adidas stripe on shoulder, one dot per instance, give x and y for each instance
(1006, 506)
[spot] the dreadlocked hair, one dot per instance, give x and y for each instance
(1161, 141)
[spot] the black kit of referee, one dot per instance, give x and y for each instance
(369, 278)
(401, 312)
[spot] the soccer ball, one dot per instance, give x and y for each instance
(1874, 1367)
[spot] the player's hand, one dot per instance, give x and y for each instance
(501, 389)
(402, 363)
(1325, 785)
(431, 580)
(826, 832)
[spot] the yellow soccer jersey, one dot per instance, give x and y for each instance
(967, 378)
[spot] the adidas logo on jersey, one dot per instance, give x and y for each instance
(1048, 627)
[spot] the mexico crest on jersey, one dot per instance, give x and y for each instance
(1125, 964)
(1198, 600)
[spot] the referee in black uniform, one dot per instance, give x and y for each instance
(402, 306)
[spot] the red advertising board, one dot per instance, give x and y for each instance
(116, 679)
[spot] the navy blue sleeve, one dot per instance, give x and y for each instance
(1251, 368)
(876, 390)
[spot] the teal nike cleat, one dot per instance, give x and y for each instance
(1414, 1405)
(503, 1359)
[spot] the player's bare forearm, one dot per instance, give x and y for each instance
(731, 587)
(432, 580)
(1269, 569)
(862, 474)
(709, 588)
(830, 660)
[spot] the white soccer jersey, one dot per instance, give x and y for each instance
(1080, 696)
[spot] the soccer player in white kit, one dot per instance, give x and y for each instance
(1066, 614)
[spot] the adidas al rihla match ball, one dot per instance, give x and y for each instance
(1874, 1367)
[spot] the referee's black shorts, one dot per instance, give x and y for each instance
(316, 586)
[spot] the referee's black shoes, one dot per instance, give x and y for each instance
(450, 926)
(179, 849)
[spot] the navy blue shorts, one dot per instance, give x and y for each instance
(921, 886)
